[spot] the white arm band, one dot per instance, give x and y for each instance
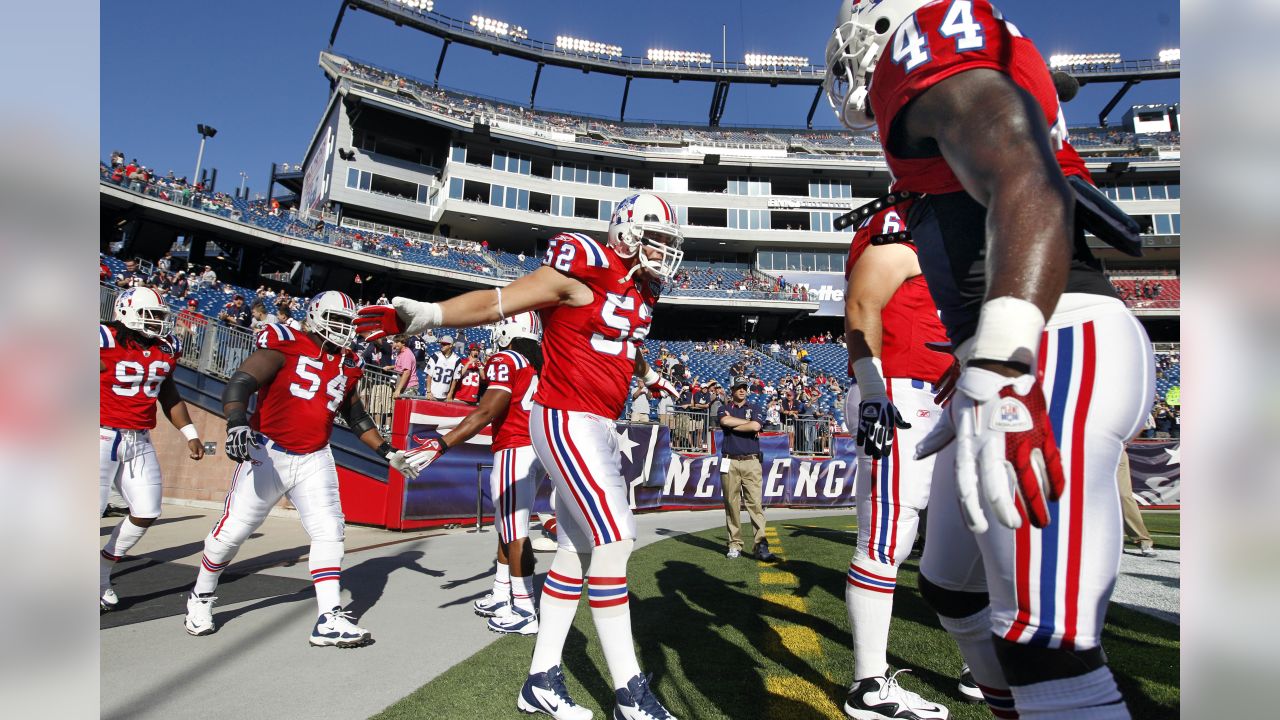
(501, 315)
(1009, 330)
(870, 376)
(189, 431)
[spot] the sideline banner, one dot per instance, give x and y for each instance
(1156, 469)
(658, 477)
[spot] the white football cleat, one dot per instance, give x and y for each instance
(337, 628)
(489, 605)
(200, 614)
(542, 543)
(882, 698)
(107, 599)
(513, 620)
(545, 692)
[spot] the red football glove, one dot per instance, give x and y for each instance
(420, 457)
(378, 321)
(1004, 441)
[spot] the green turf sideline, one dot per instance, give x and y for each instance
(712, 644)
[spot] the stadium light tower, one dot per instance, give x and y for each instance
(206, 132)
(243, 177)
(1172, 55)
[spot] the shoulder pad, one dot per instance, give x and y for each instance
(106, 337)
(276, 337)
(574, 253)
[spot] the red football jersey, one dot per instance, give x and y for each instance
(296, 408)
(910, 319)
(511, 371)
(589, 352)
(128, 388)
(943, 39)
(469, 385)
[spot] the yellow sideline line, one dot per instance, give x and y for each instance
(790, 695)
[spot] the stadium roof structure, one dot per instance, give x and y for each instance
(772, 71)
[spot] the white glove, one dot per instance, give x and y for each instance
(418, 316)
(1004, 442)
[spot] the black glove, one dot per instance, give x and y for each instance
(239, 438)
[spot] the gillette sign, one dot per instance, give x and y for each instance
(826, 288)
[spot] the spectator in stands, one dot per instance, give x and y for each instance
(235, 313)
(187, 322)
(208, 278)
(1164, 420)
(639, 403)
(165, 263)
(441, 367)
(716, 397)
(665, 407)
(405, 367)
(179, 288)
(772, 417)
(378, 354)
(261, 317)
(130, 276)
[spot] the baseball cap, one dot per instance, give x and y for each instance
(740, 381)
(446, 339)
(238, 296)
(192, 302)
(473, 346)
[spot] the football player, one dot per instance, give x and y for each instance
(1055, 371)
(510, 381)
(889, 318)
(303, 379)
(137, 353)
(596, 303)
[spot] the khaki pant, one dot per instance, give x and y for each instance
(1134, 527)
(743, 481)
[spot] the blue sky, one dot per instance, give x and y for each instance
(249, 68)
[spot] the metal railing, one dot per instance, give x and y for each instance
(212, 348)
(808, 435)
(690, 430)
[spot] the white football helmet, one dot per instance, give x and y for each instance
(142, 309)
(864, 28)
(646, 221)
(331, 315)
(525, 325)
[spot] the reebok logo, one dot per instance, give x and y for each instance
(1011, 416)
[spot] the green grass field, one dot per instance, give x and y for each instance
(742, 640)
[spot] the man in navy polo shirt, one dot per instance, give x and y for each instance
(741, 450)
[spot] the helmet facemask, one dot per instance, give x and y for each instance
(657, 247)
(146, 315)
(337, 327)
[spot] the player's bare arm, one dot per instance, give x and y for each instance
(176, 410)
(493, 407)
(362, 425)
(651, 378)
(1004, 159)
(876, 276)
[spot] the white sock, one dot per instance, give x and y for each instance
(868, 598)
(522, 592)
(502, 582)
(1093, 695)
(973, 636)
(217, 556)
(560, 595)
(122, 539)
(611, 609)
(325, 562)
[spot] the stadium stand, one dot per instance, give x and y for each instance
(1091, 141)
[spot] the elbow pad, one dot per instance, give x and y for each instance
(358, 418)
(239, 389)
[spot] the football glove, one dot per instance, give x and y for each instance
(421, 457)
(878, 419)
(657, 383)
(1004, 442)
(400, 317)
(239, 440)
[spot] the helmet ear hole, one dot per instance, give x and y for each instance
(882, 26)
